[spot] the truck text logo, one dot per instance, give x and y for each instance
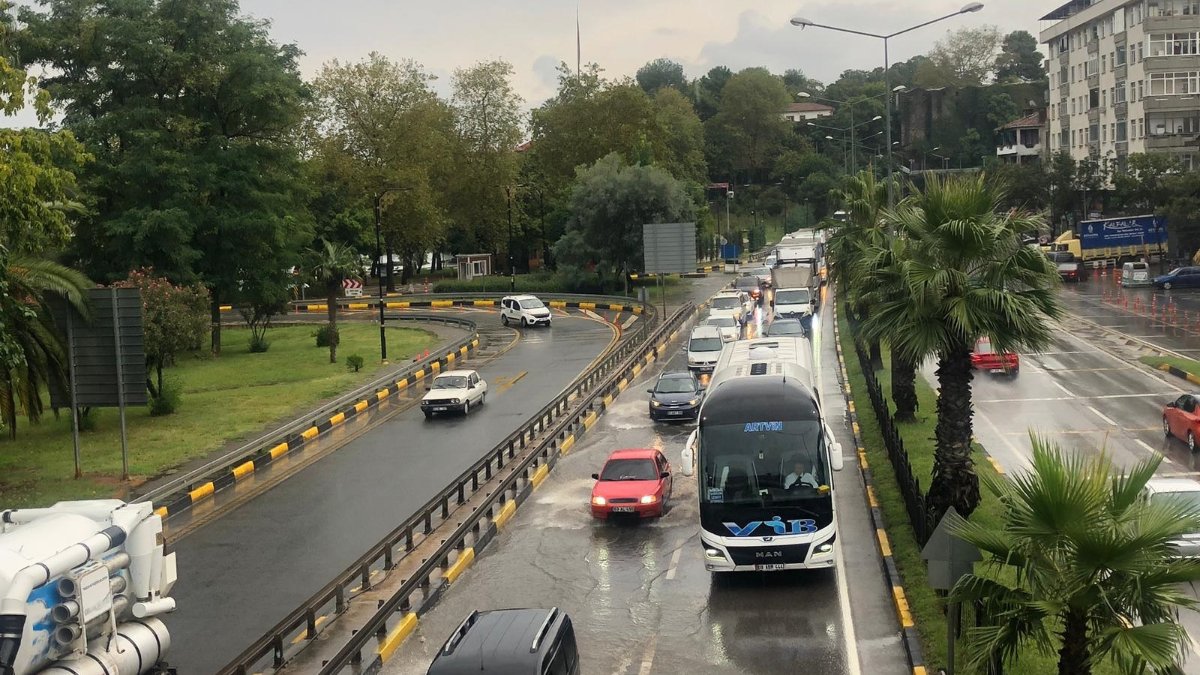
(802, 526)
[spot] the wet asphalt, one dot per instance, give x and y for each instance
(638, 593)
(242, 572)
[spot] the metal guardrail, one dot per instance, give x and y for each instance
(187, 482)
(549, 424)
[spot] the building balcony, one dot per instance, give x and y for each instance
(1121, 110)
(1170, 104)
(1178, 22)
(1093, 46)
(1121, 72)
(1122, 148)
(1019, 150)
(1064, 122)
(1064, 89)
(1171, 63)
(1093, 115)
(1172, 141)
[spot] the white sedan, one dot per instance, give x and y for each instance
(454, 391)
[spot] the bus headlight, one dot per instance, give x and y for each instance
(824, 548)
(713, 553)
(649, 499)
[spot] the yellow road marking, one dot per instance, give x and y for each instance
(402, 630)
(884, 545)
(242, 470)
(398, 305)
(587, 305)
(506, 514)
(442, 303)
(202, 491)
(484, 303)
(871, 499)
(996, 465)
(436, 367)
(361, 406)
(590, 420)
(540, 475)
(622, 384)
(450, 358)
(358, 305)
(906, 619)
(316, 308)
(382, 394)
(558, 303)
(566, 444)
(161, 512)
(608, 399)
(464, 560)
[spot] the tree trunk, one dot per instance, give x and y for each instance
(954, 481)
(215, 313)
(331, 312)
(876, 355)
(1073, 656)
(904, 388)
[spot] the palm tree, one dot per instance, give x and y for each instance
(965, 275)
(32, 356)
(1083, 564)
(334, 263)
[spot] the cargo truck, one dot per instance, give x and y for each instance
(1120, 239)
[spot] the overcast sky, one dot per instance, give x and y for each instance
(620, 35)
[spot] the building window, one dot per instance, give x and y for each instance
(1174, 44)
(1177, 8)
(1093, 99)
(1103, 98)
(1093, 133)
(1174, 84)
(1118, 92)
(1119, 56)
(1121, 133)
(1178, 124)
(1141, 52)
(1141, 91)
(1103, 63)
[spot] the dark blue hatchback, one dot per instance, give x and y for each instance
(675, 396)
(1180, 277)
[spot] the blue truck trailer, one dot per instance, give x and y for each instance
(1123, 238)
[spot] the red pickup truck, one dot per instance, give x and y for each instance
(985, 357)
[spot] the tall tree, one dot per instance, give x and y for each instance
(682, 136)
(1082, 565)
(1019, 59)
(190, 111)
(748, 130)
(968, 275)
(332, 264)
(964, 58)
(610, 203)
(661, 73)
(796, 81)
(706, 91)
(1140, 187)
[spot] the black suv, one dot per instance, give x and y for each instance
(510, 642)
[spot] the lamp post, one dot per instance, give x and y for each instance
(378, 272)
(803, 23)
(853, 160)
(945, 160)
(849, 106)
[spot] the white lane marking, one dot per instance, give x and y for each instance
(648, 655)
(1072, 398)
(1117, 358)
(1060, 386)
(1102, 416)
(1149, 448)
(629, 322)
(674, 563)
(851, 641)
(1179, 474)
(1090, 351)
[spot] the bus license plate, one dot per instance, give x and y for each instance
(768, 568)
(622, 509)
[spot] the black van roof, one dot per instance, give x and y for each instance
(502, 641)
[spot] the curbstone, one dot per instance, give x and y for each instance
(909, 636)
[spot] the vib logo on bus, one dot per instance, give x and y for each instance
(803, 526)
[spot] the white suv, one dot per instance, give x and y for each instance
(704, 348)
(526, 310)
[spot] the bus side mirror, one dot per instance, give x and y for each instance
(688, 463)
(835, 455)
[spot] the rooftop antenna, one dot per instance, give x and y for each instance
(578, 47)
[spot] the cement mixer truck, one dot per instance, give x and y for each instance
(82, 585)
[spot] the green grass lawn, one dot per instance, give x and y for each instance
(1186, 365)
(223, 399)
(926, 606)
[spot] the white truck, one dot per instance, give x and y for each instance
(81, 585)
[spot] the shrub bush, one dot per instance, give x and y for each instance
(259, 344)
(167, 401)
(354, 362)
(89, 419)
(327, 334)
(566, 280)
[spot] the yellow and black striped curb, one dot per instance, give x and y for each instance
(1181, 374)
(467, 302)
(908, 627)
(295, 441)
(584, 421)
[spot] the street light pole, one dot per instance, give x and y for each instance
(803, 23)
(378, 272)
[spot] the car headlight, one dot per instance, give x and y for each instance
(649, 499)
(655, 403)
(693, 401)
(599, 501)
(454, 400)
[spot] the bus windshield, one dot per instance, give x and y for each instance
(762, 463)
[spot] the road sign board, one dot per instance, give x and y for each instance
(949, 557)
(93, 348)
(669, 248)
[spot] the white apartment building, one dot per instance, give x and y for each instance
(1124, 78)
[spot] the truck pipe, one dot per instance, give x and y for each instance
(135, 649)
(66, 611)
(12, 603)
(66, 634)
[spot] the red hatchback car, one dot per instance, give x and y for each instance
(635, 482)
(1181, 419)
(985, 357)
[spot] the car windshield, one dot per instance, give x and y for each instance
(785, 328)
(674, 385)
(629, 469)
(532, 303)
(984, 347)
(722, 322)
(726, 302)
(707, 344)
(747, 282)
(1189, 500)
(797, 297)
(450, 382)
(758, 271)
(1175, 271)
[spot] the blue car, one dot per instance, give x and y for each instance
(675, 396)
(1180, 277)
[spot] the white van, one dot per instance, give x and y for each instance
(1135, 274)
(704, 348)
